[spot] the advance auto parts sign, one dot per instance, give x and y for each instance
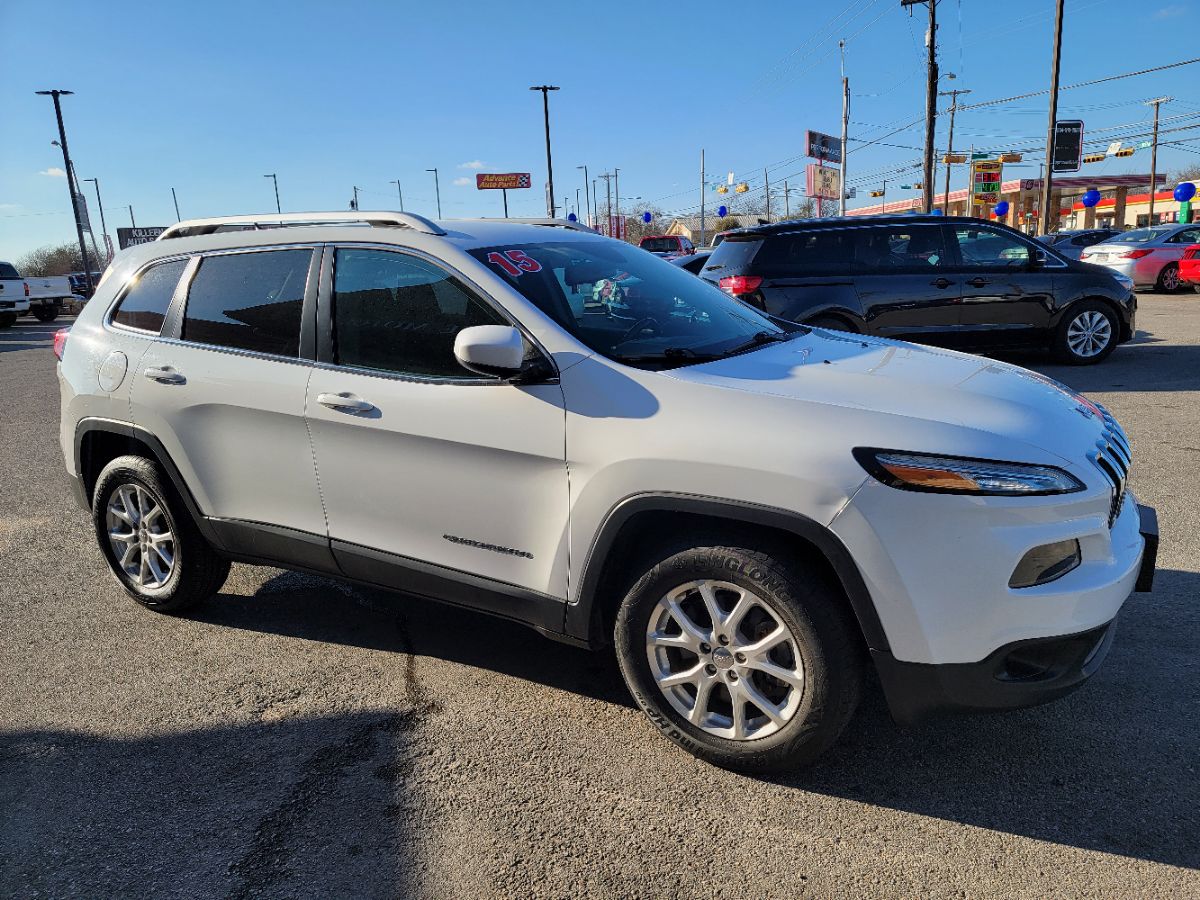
(507, 181)
(129, 237)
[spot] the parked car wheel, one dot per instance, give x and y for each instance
(150, 542)
(743, 658)
(8, 320)
(833, 323)
(1087, 334)
(1168, 279)
(46, 313)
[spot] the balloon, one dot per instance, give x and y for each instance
(1185, 192)
(647, 217)
(1001, 209)
(722, 211)
(937, 212)
(572, 218)
(1091, 198)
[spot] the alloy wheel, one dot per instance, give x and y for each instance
(1170, 278)
(1089, 333)
(725, 660)
(139, 533)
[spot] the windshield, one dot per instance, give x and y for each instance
(1141, 236)
(629, 305)
(660, 244)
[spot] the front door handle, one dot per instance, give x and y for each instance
(978, 282)
(164, 375)
(345, 403)
(941, 282)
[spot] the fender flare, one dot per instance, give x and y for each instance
(581, 614)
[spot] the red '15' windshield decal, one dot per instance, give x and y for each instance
(514, 262)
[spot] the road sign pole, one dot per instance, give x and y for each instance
(504, 191)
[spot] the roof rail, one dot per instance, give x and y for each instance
(193, 227)
(550, 223)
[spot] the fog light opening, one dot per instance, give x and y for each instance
(1046, 563)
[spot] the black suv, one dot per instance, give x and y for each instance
(947, 280)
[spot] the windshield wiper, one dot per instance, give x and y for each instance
(680, 356)
(760, 338)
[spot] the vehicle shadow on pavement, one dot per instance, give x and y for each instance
(30, 335)
(1171, 367)
(299, 807)
(320, 609)
(1112, 767)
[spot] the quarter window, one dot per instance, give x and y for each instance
(984, 248)
(249, 301)
(145, 303)
(397, 313)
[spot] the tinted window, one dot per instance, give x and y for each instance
(732, 254)
(1187, 236)
(7, 271)
(145, 302)
(815, 252)
(660, 244)
(249, 301)
(984, 248)
(397, 313)
(898, 249)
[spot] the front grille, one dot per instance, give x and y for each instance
(1113, 458)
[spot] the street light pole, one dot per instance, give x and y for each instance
(62, 136)
(437, 187)
(400, 192)
(545, 89)
(586, 199)
(175, 200)
(132, 221)
(845, 125)
(617, 198)
(278, 208)
(1156, 103)
(950, 144)
(1043, 225)
(103, 225)
(930, 100)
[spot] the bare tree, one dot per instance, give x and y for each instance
(53, 259)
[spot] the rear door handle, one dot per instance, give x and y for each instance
(941, 282)
(978, 282)
(345, 403)
(164, 375)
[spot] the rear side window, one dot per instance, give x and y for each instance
(145, 303)
(732, 255)
(249, 301)
(7, 271)
(815, 252)
(660, 244)
(892, 249)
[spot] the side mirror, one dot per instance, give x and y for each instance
(1038, 259)
(493, 350)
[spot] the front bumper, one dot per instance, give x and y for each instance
(1021, 673)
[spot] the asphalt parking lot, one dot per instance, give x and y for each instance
(299, 737)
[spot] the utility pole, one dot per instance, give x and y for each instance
(702, 176)
(278, 208)
(845, 123)
(62, 137)
(787, 200)
(132, 221)
(545, 89)
(950, 145)
(577, 203)
(1156, 103)
(1043, 225)
(400, 192)
(437, 187)
(103, 226)
(930, 99)
(586, 199)
(175, 200)
(617, 200)
(354, 204)
(608, 203)
(767, 192)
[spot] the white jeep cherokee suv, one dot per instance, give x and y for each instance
(752, 512)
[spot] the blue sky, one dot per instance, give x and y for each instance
(207, 97)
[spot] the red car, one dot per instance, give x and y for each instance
(667, 245)
(1189, 267)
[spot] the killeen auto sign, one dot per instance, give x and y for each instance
(506, 181)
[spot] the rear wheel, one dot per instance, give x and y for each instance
(46, 313)
(1168, 279)
(1087, 334)
(743, 658)
(8, 320)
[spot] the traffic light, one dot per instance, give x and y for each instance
(954, 158)
(876, 193)
(1010, 157)
(1094, 158)
(1125, 151)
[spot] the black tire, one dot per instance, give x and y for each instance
(1168, 279)
(1079, 313)
(825, 637)
(833, 323)
(46, 313)
(197, 571)
(8, 320)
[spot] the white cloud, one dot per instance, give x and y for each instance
(1171, 12)
(473, 164)
(54, 172)
(463, 182)
(9, 207)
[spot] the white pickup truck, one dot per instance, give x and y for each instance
(45, 295)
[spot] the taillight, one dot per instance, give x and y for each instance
(1136, 254)
(1192, 253)
(27, 289)
(740, 284)
(60, 342)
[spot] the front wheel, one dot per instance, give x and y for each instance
(1168, 279)
(742, 658)
(46, 313)
(8, 320)
(1087, 334)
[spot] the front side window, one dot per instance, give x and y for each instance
(397, 313)
(629, 305)
(897, 249)
(984, 248)
(145, 303)
(249, 301)
(1187, 236)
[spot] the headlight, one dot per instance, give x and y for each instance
(962, 475)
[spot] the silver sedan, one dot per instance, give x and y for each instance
(1149, 256)
(1072, 243)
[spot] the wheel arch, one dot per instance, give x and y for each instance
(650, 516)
(1115, 308)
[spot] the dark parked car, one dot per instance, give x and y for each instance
(1072, 243)
(956, 282)
(693, 262)
(667, 245)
